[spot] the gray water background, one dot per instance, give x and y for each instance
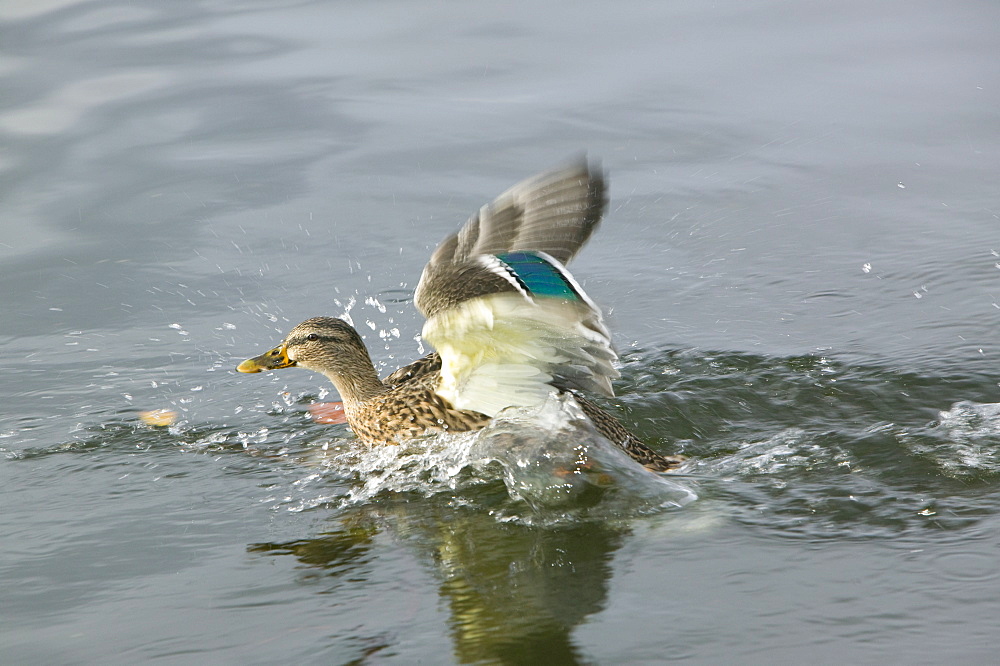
(801, 266)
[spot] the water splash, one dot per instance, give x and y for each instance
(550, 458)
(966, 439)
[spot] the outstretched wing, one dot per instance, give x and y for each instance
(554, 212)
(504, 313)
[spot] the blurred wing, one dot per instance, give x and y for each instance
(507, 318)
(511, 348)
(554, 213)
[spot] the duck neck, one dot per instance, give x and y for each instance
(356, 380)
(355, 389)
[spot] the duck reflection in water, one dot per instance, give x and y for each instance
(515, 592)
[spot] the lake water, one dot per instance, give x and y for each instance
(800, 264)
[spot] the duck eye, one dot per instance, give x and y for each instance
(312, 337)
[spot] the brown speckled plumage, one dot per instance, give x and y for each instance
(409, 409)
(389, 411)
(404, 405)
(612, 428)
(554, 213)
(606, 424)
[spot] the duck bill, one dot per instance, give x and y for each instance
(275, 359)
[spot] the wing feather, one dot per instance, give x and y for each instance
(555, 213)
(508, 320)
(504, 350)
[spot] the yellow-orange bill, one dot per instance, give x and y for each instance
(272, 360)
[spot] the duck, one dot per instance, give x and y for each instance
(508, 322)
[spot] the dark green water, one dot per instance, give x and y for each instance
(801, 266)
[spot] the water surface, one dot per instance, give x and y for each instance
(801, 267)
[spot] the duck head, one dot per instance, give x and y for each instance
(326, 345)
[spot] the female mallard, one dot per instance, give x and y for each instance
(509, 322)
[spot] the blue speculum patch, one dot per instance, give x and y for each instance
(538, 276)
